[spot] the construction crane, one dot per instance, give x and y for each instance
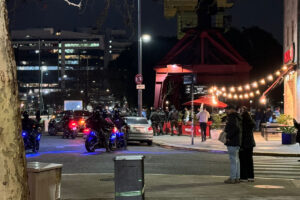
(187, 12)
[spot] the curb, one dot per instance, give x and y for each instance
(170, 146)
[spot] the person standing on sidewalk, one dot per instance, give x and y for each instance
(246, 151)
(258, 118)
(162, 119)
(173, 118)
(203, 119)
(233, 143)
(154, 117)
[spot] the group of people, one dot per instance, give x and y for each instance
(240, 143)
(263, 116)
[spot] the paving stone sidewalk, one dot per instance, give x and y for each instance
(272, 147)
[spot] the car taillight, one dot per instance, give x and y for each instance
(86, 131)
(150, 128)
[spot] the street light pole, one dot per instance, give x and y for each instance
(140, 94)
(41, 104)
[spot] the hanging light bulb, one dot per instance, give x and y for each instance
(246, 96)
(241, 96)
(251, 94)
(240, 88)
(270, 77)
(262, 81)
(247, 87)
(223, 89)
(284, 68)
(215, 88)
(210, 90)
(277, 73)
(235, 96)
(257, 92)
(254, 84)
(263, 99)
(229, 95)
(224, 94)
(232, 89)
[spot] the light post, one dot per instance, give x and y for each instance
(141, 38)
(42, 70)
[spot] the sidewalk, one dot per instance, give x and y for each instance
(177, 187)
(273, 147)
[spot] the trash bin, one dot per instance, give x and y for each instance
(129, 177)
(44, 180)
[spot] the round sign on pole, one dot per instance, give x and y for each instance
(138, 79)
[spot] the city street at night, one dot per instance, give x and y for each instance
(181, 168)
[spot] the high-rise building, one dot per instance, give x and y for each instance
(50, 61)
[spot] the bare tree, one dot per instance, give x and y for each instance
(169, 91)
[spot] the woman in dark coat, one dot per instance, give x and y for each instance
(297, 126)
(246, 151)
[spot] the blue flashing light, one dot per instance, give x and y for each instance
(39, 137)
(93, 133)
(113, 136)
(23, 134)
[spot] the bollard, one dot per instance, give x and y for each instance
(44, 180)
(129, 177)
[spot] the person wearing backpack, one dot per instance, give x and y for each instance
(233, 142)
(173, 118)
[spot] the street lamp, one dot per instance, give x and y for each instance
(141, 39)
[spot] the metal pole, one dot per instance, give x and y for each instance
(192, 92)
(41, 79)
(140, 94)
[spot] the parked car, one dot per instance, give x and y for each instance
(139, 129)
(81, 116)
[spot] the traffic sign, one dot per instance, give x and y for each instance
(138, 79)
(140, 87)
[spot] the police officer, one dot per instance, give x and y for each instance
(173, 118)
(162, 119)
(154, 117)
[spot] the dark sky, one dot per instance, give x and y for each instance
(267, 14)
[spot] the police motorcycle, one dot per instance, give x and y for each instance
(32, 138)
(110, 137)
(71, 129)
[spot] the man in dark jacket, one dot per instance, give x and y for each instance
(154, 117)
(233, 143)
(173, 118)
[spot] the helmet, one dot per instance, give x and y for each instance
(25, 115)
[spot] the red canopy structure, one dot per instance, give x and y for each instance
(204, 53)
(207, 100)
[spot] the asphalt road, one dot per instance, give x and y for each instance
(75, 159)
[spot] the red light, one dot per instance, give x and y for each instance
(86, 131)
(115, 130)
(150, 128)
(73, 125)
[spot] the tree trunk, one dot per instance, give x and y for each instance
(13, 175)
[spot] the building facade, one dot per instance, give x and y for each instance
(58, 64)
(291, 58)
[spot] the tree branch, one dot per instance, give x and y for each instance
(74, 4)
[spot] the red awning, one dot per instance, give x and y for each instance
(207, 100)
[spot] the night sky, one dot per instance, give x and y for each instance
(267, 14)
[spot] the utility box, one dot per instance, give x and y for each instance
(129, 177)
(44, 180)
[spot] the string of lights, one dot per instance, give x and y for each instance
(250, 90)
